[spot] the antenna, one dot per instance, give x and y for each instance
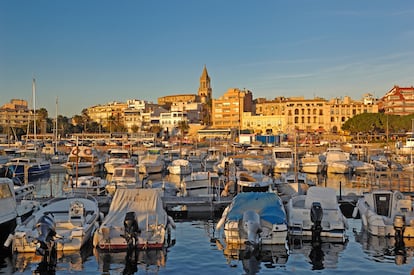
(34, 112)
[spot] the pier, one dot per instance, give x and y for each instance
(195, 207)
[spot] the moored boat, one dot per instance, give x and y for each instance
(254, 218)
(386, 213)
(88, 185)
(136, 218)
(27, 166)
(180, 167)
(84, 160)
(151, 163)
(72, 218)
(124, 176)
(8, 210)
(117, 157)
(316, 215)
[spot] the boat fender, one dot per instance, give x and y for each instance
(8, 240)
(220, 223)
(355, 212)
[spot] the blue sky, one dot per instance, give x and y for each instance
(90, 52)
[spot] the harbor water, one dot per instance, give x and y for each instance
(199, 249)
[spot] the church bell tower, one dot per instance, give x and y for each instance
(204, 91)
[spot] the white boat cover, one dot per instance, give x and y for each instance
(266, 204)
(146, 203)
(325, 195)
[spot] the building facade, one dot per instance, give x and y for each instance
(308, 115)
(227, 111)
(108, 114)
(398, 101)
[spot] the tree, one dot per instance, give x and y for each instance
(183, 127)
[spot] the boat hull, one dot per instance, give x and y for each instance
(76, 219)
(34, 171)
(84, 169)
(383, 226)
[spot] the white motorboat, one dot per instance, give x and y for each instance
(337, 161)
(283, 158)
(312, 164)
(117, 157)
(294, 177)
(202, 184)
(136, 218)
(256, 162)
(84, 160)
(254, 218)
(253, 182)
(88, 185)
(360, 167)
(316, 215)
(151, 164)
(72, 221)
(386, 213)
(8, 209)
(124, 176)
(180, 167)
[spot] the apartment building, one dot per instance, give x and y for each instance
(308, 115)
(227, 110)
(398, 101)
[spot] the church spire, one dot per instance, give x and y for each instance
(205, 91)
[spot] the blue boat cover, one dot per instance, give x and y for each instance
(268, 205)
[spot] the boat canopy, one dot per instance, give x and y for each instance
(146, 203)
(325, 195)
(267, 204)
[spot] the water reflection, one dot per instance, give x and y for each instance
(129, 262)
(323, 255)
(269, 256)
(64, 261)
(386, 249)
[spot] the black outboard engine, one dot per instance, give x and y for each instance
(399, 227)
(316, 218)
(46, 239)
(131, 230)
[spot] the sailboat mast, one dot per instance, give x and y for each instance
(34, 112)
(56, 126)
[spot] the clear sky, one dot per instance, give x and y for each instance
(90, 52)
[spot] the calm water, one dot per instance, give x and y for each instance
(199, 250)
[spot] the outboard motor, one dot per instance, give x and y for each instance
(251, 225)
(46, 235)
(131, 230)
(399, 227)
(316, 214)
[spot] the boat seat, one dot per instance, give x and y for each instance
(77, 213)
